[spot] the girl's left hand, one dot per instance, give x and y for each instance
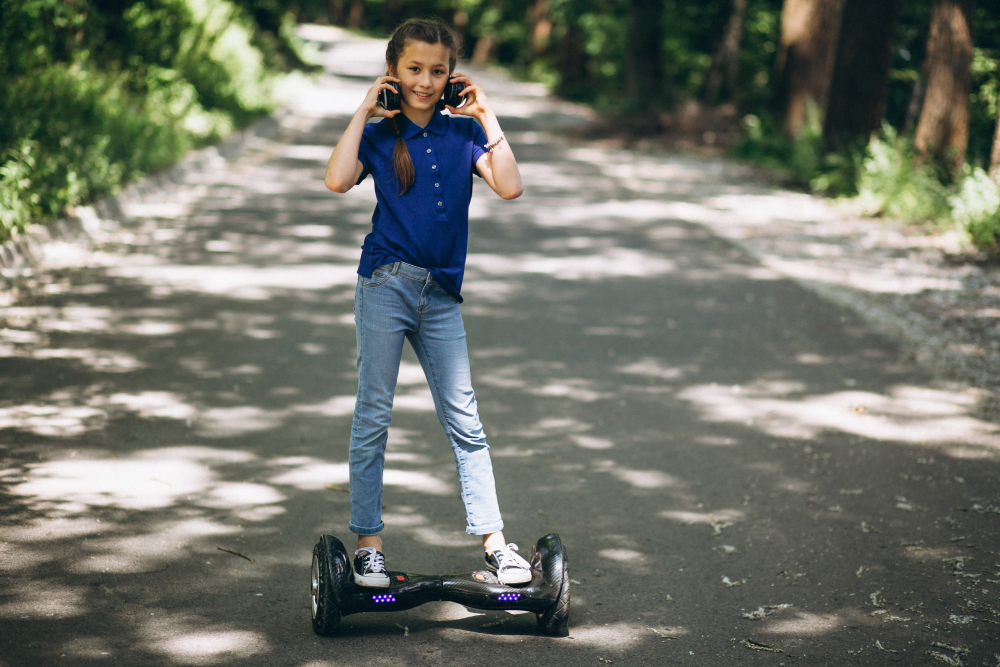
(475, 104)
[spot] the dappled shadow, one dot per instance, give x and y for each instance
(709, 439)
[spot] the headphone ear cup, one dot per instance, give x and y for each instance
(389, 99)
(451, 95)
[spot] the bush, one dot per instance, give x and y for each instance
(886, 177)
(976, 208)
(807, 161)
(894, 184)
(96, 94)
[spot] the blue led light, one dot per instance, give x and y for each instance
(380, 599)
(509, 597)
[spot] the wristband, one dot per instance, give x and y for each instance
(493, 144)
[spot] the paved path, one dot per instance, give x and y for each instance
(743, 473)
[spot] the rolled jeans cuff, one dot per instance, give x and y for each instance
(485, 530)
(366, 532)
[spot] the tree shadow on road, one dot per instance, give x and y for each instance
(732, 462)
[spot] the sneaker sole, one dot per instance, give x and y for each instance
(371, 581)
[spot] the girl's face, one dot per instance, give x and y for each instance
(423, 70)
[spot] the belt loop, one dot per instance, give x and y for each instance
(395, 268)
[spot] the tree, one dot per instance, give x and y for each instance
(541, 26)
(571, 64)
(804, 68)
(995, 153)
(644, 55)
(861, 71)
(726, 59)
(943, 128)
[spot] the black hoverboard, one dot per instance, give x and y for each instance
(334, 593)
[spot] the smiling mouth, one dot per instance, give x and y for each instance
(423, 96)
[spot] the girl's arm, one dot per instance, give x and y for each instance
(344, 168)
(498, 168)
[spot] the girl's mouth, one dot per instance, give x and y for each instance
(422, 96)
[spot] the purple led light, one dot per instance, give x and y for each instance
(509, 597)
(380, 599)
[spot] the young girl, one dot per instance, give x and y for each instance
(410, 276)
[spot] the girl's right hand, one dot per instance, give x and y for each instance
(371, 105)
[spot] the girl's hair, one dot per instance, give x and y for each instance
(414, 30)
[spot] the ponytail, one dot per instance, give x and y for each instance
(406, 174)
(416, 30)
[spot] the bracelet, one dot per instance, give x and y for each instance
(493, 144)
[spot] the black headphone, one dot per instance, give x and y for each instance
(390, 100)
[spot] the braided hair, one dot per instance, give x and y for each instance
(415, 30)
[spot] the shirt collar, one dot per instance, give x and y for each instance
(438, 126)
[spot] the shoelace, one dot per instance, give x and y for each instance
(374, 561)
(506, 558)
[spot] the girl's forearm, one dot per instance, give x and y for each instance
(506, 175)
(341, 170)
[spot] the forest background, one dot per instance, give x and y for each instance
(893, 103)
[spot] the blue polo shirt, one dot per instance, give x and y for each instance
(429, 225)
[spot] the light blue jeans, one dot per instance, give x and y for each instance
(403, 301)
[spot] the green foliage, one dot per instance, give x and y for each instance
(806, 161)
(983, 104)
(761, 37)
(98, 93)
(884, 175)
(894, 184)
(976, 208)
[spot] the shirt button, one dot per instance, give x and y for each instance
(428, 150)
(437, 185)
(425, 134)
(440, 203)
(434, 166)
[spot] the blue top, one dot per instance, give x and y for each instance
(429, 225)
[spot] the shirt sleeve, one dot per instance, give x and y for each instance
(364, 151)
(479, 140)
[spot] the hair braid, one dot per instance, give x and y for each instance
(406, 174)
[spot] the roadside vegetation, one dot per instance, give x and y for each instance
(98, 93)
(892, 103)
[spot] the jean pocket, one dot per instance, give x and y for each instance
(380, 275)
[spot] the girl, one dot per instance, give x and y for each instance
(410, 276)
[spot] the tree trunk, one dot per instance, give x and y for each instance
(644, 57)
(916, 99)
(804, 67)
(392, 13)
(995, 153)
(726, 59)
(541, 26)
(485, 51)
(571, 64)
(357, 15)
(943, 129)
(336, 12)
(860, 76)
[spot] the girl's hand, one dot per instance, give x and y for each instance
(476, 103)
(371, 105)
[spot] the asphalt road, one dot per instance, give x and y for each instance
(743, 474)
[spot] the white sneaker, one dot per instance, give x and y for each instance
(369, 568)
(510, 568)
